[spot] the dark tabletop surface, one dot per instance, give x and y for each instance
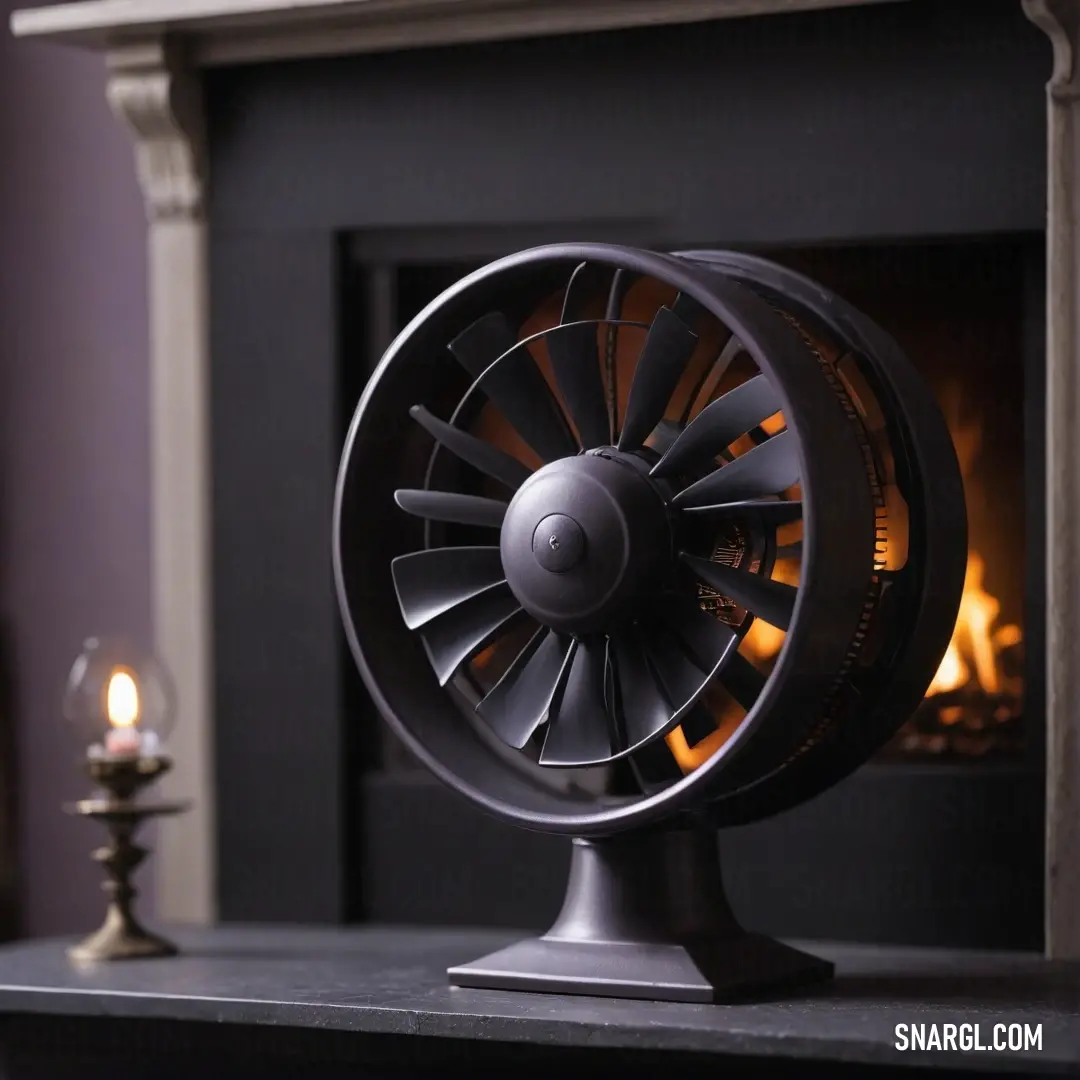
(393, 981)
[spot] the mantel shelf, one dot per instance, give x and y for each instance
(393, 982)
(236, 31)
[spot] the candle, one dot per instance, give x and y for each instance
(123, 742)
(120, 702)
(123, 739)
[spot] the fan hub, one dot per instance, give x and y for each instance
(583, 539)
(558, 543)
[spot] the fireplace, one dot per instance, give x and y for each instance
(938, 842)
(894, 151)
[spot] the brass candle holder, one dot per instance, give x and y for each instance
(120, 702)
(121, 936)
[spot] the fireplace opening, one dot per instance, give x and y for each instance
(957, 309)
(963, 311)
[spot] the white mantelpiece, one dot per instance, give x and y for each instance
(155, 49)
(234, 31)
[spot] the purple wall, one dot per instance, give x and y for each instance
(74, 475)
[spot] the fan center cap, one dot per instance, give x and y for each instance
(582, 541)
(558, 543)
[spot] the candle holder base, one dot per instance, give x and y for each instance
(124, 777)
(121, 936)
(120, 939)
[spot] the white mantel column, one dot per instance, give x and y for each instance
(158, 98)
(1060, 19)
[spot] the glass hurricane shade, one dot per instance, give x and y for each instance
(120, 699)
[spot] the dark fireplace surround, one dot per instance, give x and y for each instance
(347, 191)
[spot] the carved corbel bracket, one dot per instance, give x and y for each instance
(1060, 21)
(158, 96)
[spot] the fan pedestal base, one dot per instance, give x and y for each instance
(645, 916)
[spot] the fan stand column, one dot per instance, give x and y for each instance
(646, 916)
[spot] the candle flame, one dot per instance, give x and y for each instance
(122, 699)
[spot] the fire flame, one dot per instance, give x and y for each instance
(972, 658)
(976, 645)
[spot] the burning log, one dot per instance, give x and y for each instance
(965, 722)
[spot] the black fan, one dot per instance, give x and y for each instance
(691, 535)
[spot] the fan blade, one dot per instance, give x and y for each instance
(464, 630)
(611, 694)
(664, 435)
(770, 600)
(768, 469)
(480, 344)
(588, 281)
(654, 766)
(688, 657)
(621, 284)
(516, 386)
(742, 680)
(576, 363)
(698, 723)
(518, 703)
(719, 424)
(644, 711)
(713, 374)
(708, 641)
(687, 309)
(490, 460)
(681, 680)
(664, 356)
(451, 507)
(429, 583)
(775, 511)
(580, 732)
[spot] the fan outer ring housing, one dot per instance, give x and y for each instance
(832, 476)
(939, 534)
